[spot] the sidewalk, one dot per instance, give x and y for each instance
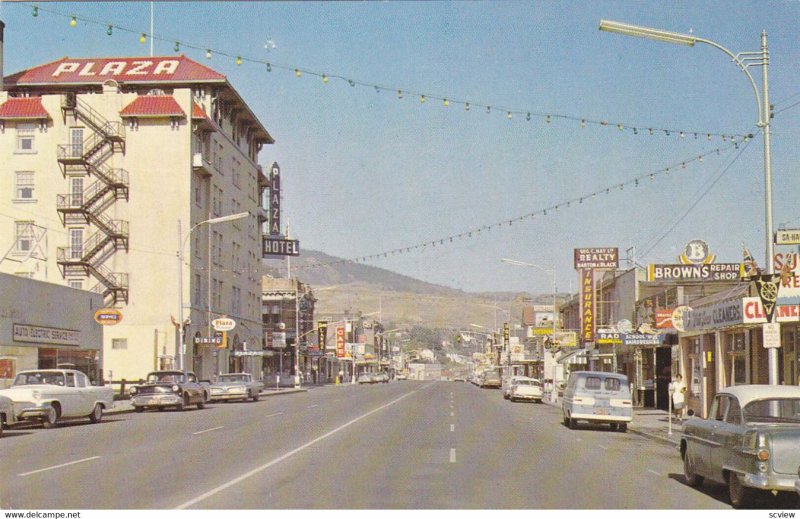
(651, 423)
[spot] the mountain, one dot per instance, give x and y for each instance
(342, 286)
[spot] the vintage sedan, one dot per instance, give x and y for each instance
(749, 441)
(163, 389)
(50, 395)
(235, 386)
(526, 389)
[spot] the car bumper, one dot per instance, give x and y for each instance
(784, 483)
(159, 400)
(31, 410)
(526, 397)
(228, 396)
(602, 418)
(797, 487)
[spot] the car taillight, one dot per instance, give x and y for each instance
(762, 455)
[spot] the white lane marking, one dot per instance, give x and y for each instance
(578, 440)
(452, 413)
(603, 447)
(273, 414)
(653, 472)
(452, 427)
(337, 400)
(289, 454)
(313, 405)
(58, 466)
(452, 455)
(209, 430)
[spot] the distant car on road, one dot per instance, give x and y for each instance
(597, 397)
(163, 389)
(365, 378)
(381, 376)
(235, 386)
(749, 441)
(526, 389)
(490, 378)
(508, 383)
(50, 395)
(401, 376)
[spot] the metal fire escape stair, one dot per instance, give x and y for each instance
(112, 185)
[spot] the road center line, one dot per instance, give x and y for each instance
(452, 455)
(312, 405)
(452, 427)
(452, 413)
(603, 447)
(209, 430)
(653, 472)
(291, 453)
(58, 466)
(273, 414)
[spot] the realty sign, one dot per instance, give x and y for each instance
(597, 258)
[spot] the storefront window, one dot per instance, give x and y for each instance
(696, 362)
(736, 359)
(86, 361)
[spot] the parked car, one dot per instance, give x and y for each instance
(490, 378)
(508, 382)
(381, 376)
(401, 376)
(526, 389)
(749, 441)
(235, 386)
(365, 378)
(797, 485)
(163, 389)
(597, 397)
(50, 395)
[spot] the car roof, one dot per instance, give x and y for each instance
(598, 374)
(749, 392)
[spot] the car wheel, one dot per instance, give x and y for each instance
(1, 426)
(49, 421)
(572, 423)
(181, 406)
(97, 414)
(623, 427)
(138, 408)
(739, 494)
(202, 403)
(256, 396)
(692, 479)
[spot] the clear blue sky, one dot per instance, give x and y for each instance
(365, 172)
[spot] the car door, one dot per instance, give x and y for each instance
(729, 437)
(710, 437)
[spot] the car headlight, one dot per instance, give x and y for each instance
(133, 390)
(176, 388)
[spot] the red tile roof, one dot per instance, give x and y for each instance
(70, 71)
(197, 112)
(153, 106)
(23, 108)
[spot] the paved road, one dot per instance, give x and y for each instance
(406, 445)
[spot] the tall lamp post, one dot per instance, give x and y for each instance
(552, 273)
(743, 60)
(182, 245)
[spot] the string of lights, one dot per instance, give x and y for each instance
(401, 93)
(634, 182)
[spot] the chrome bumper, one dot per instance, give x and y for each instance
(156, 400)
(771, 482)
(31, 411)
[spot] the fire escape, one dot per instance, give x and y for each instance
(88, 207)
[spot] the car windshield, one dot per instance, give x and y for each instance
(33, 378)
(526, 383)
(168, 378)
(233, 378)
(783, 410)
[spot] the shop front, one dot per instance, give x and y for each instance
(43, 325)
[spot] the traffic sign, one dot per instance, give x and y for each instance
(223, 324)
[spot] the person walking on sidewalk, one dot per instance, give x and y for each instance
(678, 391)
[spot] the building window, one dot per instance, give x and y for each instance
(119, 344)
(26, 138)
(76, 283)
(737, 355)
(76, 243)
(76, 142)
(25, 237)
(76, 185)
(236, 301)
(197, 290)
(25, 185)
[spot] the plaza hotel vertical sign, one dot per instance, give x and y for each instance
(276, 244)
(587, 260)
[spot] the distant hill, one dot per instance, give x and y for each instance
(400, 301)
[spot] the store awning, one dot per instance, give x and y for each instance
(573, 357)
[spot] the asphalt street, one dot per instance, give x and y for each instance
(402, 445)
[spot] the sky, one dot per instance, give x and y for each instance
(365, 172)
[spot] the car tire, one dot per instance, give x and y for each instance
(739, 495)
(572, 423)
(692, 479)
(49, 421)
(97, 414)
(181, 406)
(138, 408)
(1, 426)
(202, 403)
(256, 396)
(623, 427)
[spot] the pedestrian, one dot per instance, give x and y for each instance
(678, 389)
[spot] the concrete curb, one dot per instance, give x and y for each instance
(124, 406)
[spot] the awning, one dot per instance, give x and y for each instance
(573, 357)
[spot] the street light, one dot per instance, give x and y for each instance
(552, 273)
(743, 60)
(182, 243)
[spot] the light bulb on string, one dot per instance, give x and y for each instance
(143, 38)
(177, 46)
(466, 107)
(73, 22)
(682, 135)
(583, 123)
(377, 89)
(297, 72)
(324, 78)
(488, 109)
(509, 115)
(708, 136)
(110, 30)
(528, 116)
(422, 98)
(635, 131)
(620, 127)
(446, 102)
(650, 131)
(35, 12)
(269, 67)
(351, 82)
(238, 60)
(208, 53)
(399, 94)
(547, 119)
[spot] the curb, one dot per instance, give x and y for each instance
(655, 437)
(127, 408)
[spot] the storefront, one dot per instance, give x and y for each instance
(43, 325)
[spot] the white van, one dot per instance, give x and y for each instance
(597, 397)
